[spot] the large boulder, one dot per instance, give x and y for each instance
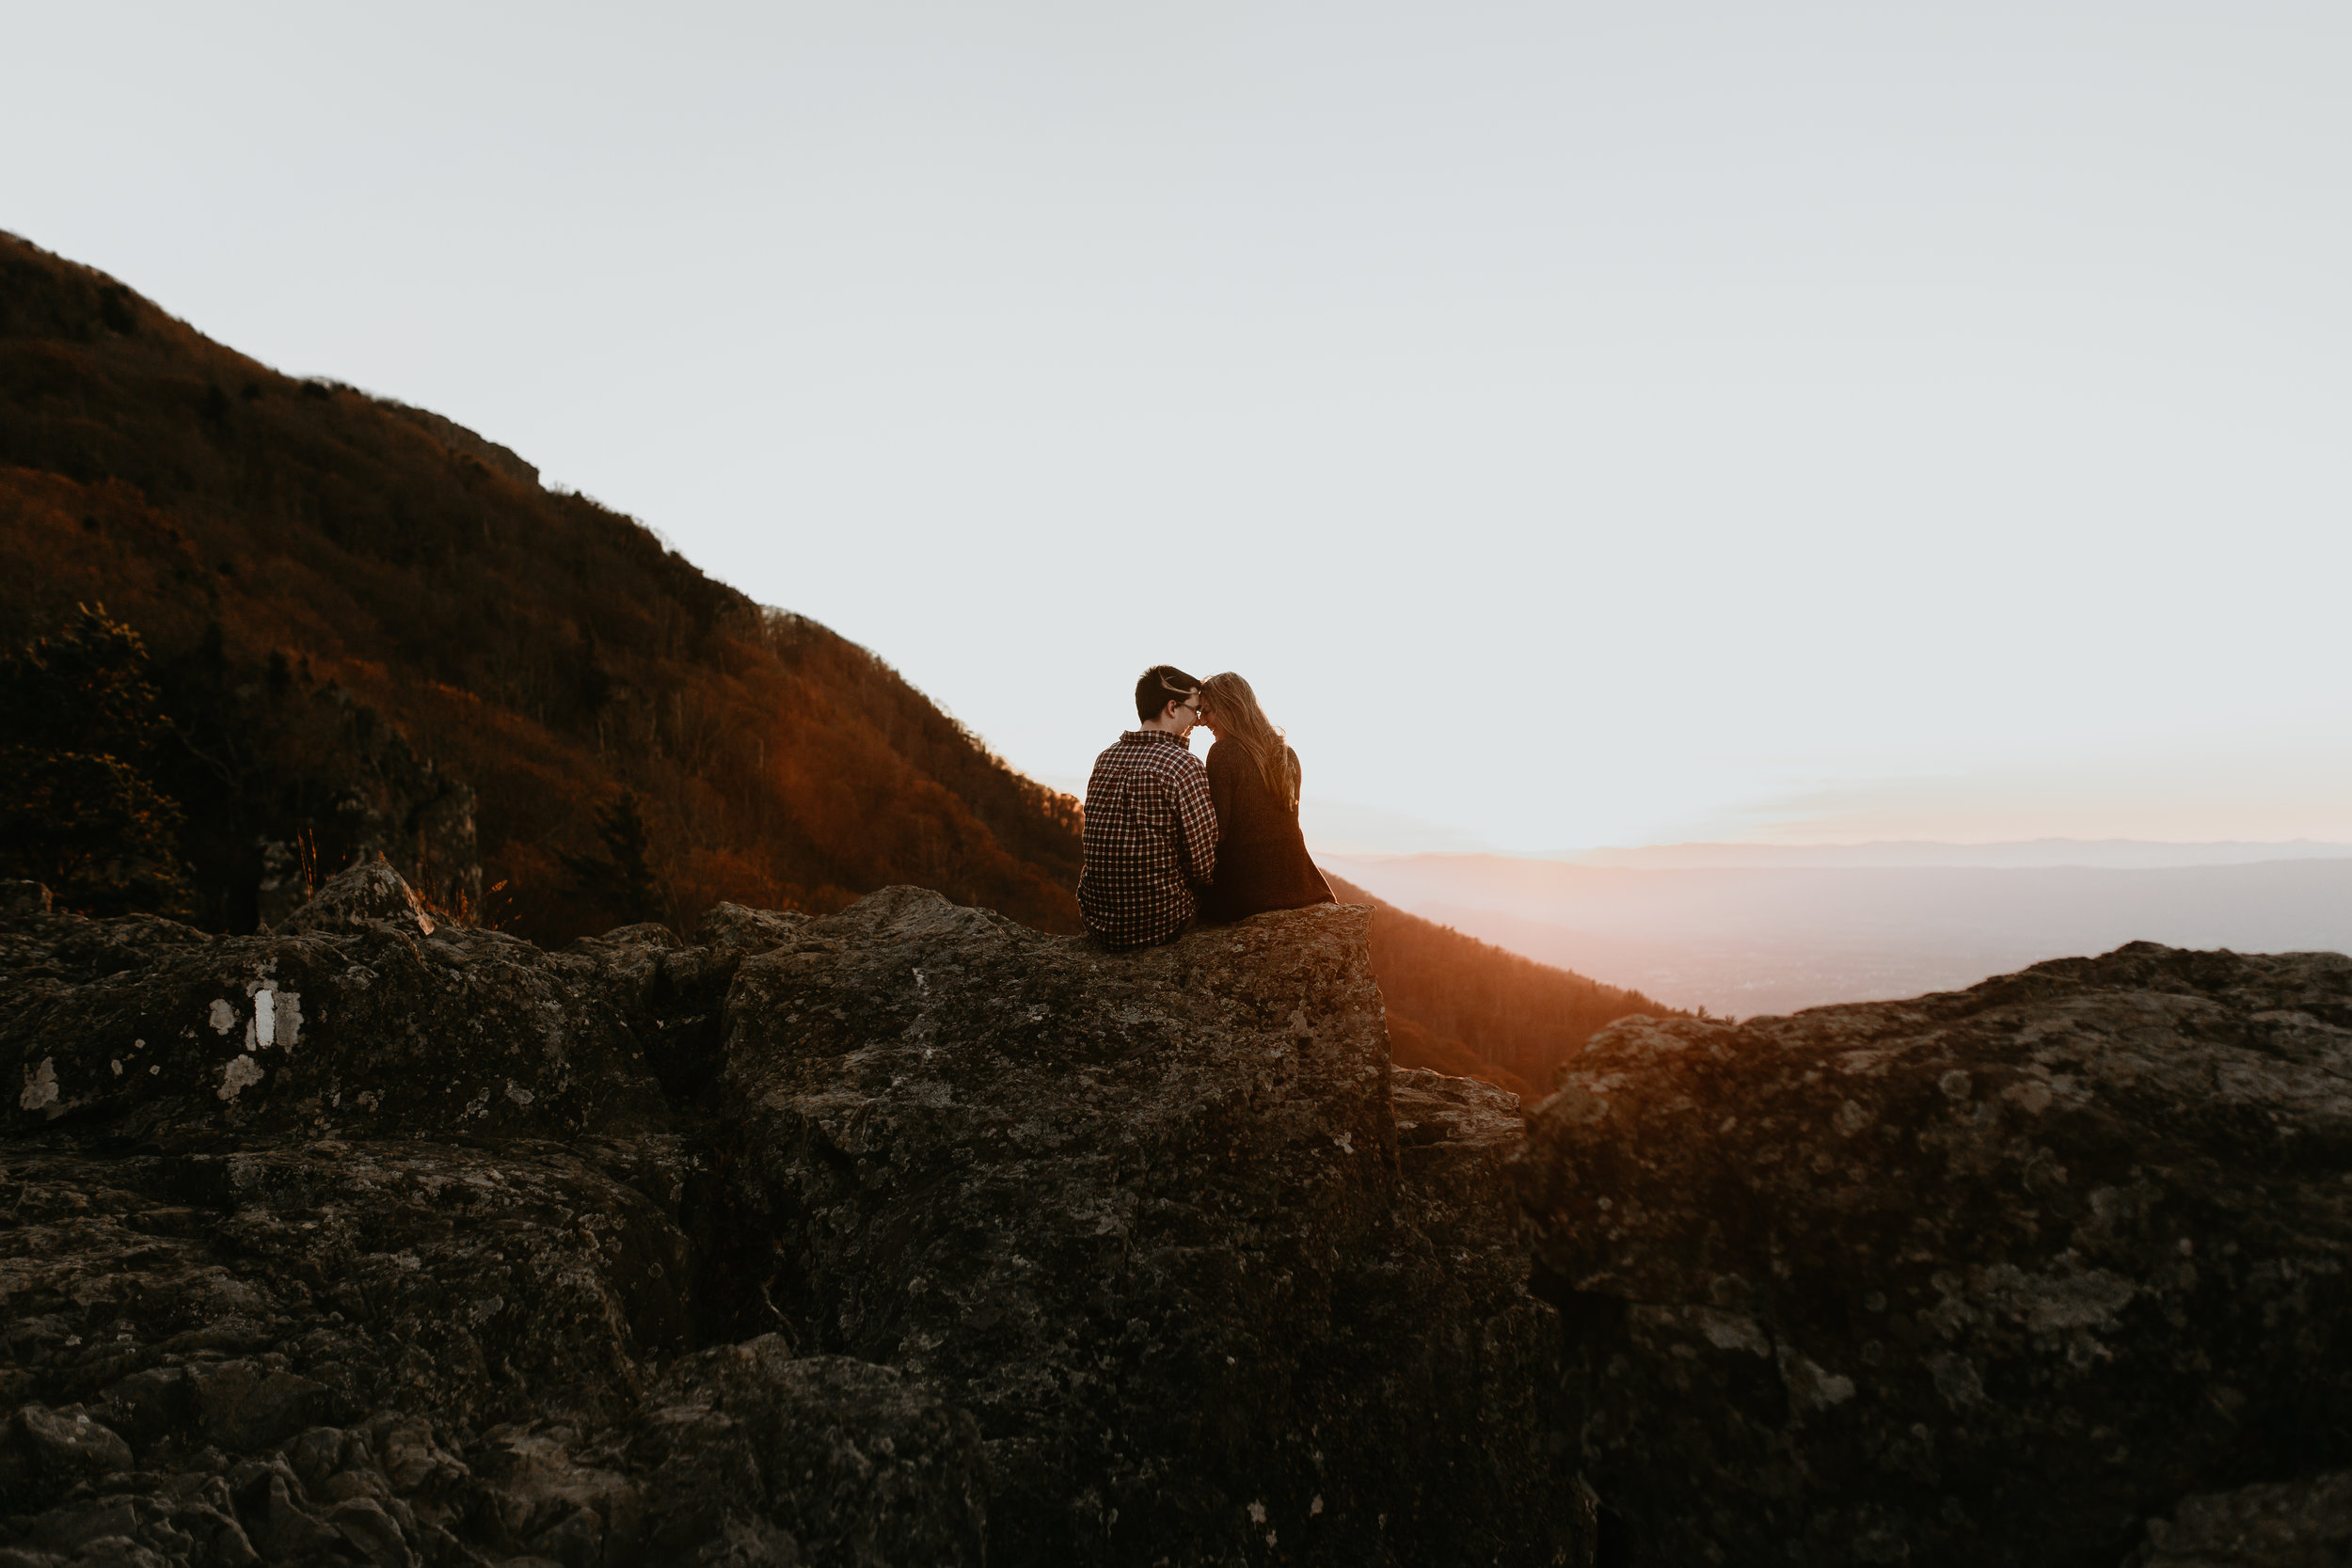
(1144, 1216)
(1993, 1277)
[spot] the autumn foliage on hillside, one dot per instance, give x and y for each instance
(324, 581)
(1460, 1006)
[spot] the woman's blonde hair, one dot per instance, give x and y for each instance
(1241, 721)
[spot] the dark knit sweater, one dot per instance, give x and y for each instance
(1262, 859)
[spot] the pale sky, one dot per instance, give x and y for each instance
(1583, 424)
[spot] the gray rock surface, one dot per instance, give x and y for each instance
(360, 1019)
(1988, 1277)
(656, 1251)
(1144, 1217)
(2300, 1524)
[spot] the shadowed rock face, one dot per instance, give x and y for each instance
(903, 1236)
(1143, 1216)
(2301, 1524)
(1987, 1278)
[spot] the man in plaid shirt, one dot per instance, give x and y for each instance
(1151, 830)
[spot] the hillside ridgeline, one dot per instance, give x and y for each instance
(374, 630)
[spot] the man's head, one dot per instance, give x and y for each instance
(1167, 698)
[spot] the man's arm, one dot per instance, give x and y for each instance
(1195, 823)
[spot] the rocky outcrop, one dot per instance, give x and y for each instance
(906, 1235)
(2048, 1272)
(1145, 1217)
(910, 1235)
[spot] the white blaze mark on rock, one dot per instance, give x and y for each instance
(40, 1085)
(1728, 1331)
(224, 1017)
(237, 1075)
(265, 1018)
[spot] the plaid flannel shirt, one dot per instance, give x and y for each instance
(1151, 839)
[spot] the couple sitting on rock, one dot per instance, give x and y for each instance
(1169, 841)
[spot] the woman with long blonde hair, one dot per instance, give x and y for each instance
(1261, 859)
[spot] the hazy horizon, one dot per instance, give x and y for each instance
(1757, 938)
(1995, 854)
(1583, 426)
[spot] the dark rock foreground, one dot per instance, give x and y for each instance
(2049, 1272)
(906, 1236)
(909, 1236)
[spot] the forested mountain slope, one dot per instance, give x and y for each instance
(334, 589)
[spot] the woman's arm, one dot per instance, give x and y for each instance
(1221, 784)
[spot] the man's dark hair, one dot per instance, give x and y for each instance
(1160, 686)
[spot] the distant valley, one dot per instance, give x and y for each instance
(1744, 939)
